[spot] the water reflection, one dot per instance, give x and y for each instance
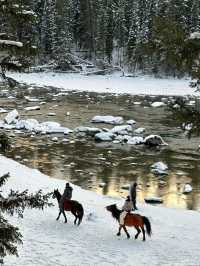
(88, 164)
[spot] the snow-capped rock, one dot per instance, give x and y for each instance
(32, 108)
(102, 184)
(3, 111)
(29, 99)
(187, 188)
(131, 122)
(108, 119)
(154, 140)
(160, 166)
(139, 130)
(88, 130)
(135, 140)
(11, 117)
(29, 124)
(125, 186)
(157, 104)
(104, 136)
(122, 130)
(55, 139)
(51, 114)
(153, 200)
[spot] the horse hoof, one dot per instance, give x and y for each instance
(118, 234)
(143, 239)
(65, 222)
(128, 236)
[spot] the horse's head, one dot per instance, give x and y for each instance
(55, 193)
(111, 208)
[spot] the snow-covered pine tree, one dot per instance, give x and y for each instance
(109, 33)
(120, 30)
(16, 38)
(48, 29)
(15, 203)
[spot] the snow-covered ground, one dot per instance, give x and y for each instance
(47, 242)
(109, 83)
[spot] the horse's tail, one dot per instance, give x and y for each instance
(80, 213)
(147, 224)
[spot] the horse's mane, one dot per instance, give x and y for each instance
(115, 212)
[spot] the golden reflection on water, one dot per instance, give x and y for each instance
(54, 160)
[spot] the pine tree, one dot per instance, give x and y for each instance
(109, 33)
(16, 38)
(15, 203)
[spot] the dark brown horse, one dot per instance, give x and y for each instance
(135, 220)
(70, 205)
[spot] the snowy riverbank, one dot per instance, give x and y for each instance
(175, 239)
(110, 83)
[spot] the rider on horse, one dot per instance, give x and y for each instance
(127, 208)
(67, 195)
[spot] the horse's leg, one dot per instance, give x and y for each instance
(64, 216)
(143, 232)
(125, 230)
(138, 232)
(74, 213)
(119, 232)
(59, 215)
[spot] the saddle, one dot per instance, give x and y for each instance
(67, 205)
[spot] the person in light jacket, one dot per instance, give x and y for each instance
(127, 207)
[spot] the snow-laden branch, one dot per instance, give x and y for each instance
(194, 35)
(13, 43)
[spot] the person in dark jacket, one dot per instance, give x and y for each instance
(67, 195)
(133, 194)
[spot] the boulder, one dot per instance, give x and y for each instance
(104, 136)
(154, 141)
(11, 117)
(153, 200)
(108, 119)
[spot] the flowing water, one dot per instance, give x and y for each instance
(107, 168)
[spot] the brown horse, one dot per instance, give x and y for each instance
(135, 220)
(70, 205)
